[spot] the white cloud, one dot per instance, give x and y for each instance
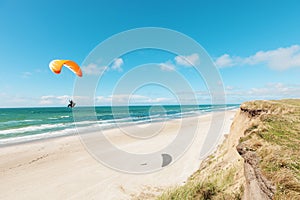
(93, 69)
(103, 100)
(63, 100)
(130, 99)
(26, 74)
(276, 90)
(225, 61)
(269, 91)
(54, 100)
(117, 64)
(117, 99)
(278, 59)
(187, 61)
(160, 100)
(15, 100)
(167, 66)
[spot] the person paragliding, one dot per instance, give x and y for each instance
(71, 104)
(56, 67)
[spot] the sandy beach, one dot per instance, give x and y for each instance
(61, 168)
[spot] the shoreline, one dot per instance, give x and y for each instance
(89, 129)
(63, 165)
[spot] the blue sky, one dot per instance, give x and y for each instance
(255, 44)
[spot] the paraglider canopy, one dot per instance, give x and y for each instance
(56, 66)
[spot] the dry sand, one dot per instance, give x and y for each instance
(61, 168)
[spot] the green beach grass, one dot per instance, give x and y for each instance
(276, 140)
(274, 135)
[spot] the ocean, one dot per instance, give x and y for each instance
(27, 124)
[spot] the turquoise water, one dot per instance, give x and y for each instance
(23, 124)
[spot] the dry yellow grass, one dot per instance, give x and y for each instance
(213, 187)
(275, 138)
(272, 132)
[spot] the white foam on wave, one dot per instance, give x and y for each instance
(33, 128)
(19, 121)
(37, 136)
(31, 120)
(83, 126)
(86, 123)
(46, 127)
(51, 134)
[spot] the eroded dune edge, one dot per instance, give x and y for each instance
(259, 159)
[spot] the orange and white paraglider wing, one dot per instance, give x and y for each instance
(73, 67)
(56, 66)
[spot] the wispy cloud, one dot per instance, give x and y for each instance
(15, 100)
(188, 61)
(236, 94)
(125, 99)
(117, 64)
(63, 100)
(117, 99)
(279, 59)
(226, 61)
(26, 74)
(54, 100)
(268, 91)
(93, 69)
(167, 66)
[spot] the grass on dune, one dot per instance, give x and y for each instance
(211, 188)
(275, 137)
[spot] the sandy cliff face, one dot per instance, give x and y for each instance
(270, 149)
(234, 155)
(221, 175)
(269, 145)
(259, 159)
(256, 186)
(225, 167)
